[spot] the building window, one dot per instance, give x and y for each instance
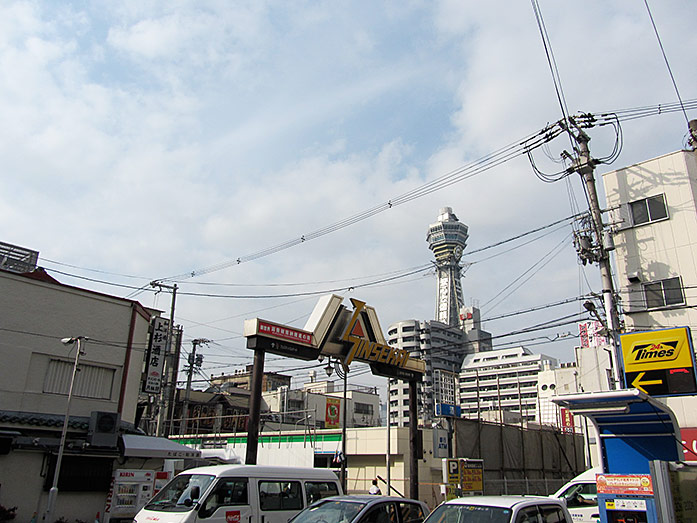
(663, 293)
(364, 408)
(91, 382)
(648, 210)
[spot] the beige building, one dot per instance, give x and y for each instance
(37, 313)
(654, 212)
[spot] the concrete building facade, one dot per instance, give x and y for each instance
(502, 381)
(654, 214)
(37, 312)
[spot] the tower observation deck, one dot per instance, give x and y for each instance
(447, 238)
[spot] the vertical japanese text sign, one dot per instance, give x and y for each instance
(156, 356)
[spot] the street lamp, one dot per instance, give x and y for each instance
(53, 493)
(342, 372)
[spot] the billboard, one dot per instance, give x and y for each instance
(659, 362)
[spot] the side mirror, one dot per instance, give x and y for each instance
(194, 495)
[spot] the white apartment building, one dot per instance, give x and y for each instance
(654, 212)
(502, 385)
(443, 348)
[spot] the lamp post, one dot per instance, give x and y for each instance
(53, 493)
(342, 372)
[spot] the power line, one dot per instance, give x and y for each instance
(665, 58)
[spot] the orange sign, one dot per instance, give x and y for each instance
(624, 484)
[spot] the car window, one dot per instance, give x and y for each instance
(383, 513)
(410, 512)
(280, 495)
(316, 490)
(330, 510)
(228, 492)
(552, 514)
(528, 515)
(581, 495)
(457, 513)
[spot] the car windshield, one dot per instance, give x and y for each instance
(178, 494)
(330, 511)
(457, 513)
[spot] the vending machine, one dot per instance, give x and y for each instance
(130, 491)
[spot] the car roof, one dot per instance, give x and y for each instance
(504, 501)
(255, 471)
(368, 498)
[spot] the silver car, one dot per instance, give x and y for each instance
(501, 509)
(363, 509)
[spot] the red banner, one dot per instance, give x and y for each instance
(567, 420)
(331, 418)
(689, 443)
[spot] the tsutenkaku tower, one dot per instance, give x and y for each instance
(447, 238)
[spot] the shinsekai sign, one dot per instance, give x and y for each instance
(333, 330)
(659, 362)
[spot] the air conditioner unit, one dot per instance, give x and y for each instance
(104, 429)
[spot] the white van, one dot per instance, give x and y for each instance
(239, 494)
(581, 497)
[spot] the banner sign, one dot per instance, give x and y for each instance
(592, 334)
(624, 484)
(156, 356)
(332, 415)
(567, 420)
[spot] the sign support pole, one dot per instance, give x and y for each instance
(413, 442)
(255, 407)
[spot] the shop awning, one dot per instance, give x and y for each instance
(151, 447)
(633, 427)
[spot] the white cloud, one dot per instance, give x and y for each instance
(155, 139)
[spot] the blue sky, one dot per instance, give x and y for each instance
(142, 141)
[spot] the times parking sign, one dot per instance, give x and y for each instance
(659, 363)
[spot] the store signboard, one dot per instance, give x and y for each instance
(156, 356)
(659, 363)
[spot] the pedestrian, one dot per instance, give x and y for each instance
(374, 489)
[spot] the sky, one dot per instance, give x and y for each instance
(146, 140)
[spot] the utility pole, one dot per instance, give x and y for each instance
(171, 367)
(584, 165)
(194, 361)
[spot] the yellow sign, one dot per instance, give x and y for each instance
(369, 351)
(663, 349)
(472, 475)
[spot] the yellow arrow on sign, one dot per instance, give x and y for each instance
(637, 383)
